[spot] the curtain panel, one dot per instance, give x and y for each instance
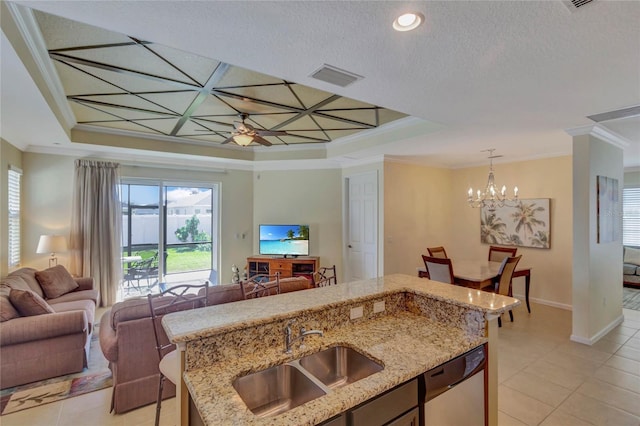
(96, 225)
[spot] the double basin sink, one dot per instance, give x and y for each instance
(278, 389)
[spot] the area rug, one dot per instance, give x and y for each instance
(631, 298)
(97, 376)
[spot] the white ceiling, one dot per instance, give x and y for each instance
(510, 75)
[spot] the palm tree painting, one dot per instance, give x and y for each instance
(525, 224)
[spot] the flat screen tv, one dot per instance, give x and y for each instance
(284, 240)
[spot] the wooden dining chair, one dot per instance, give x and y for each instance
(437, 252)
(174, 299)
(497, 254)
(438, 269)
(505, 276)
(325, 276)
(260, 285)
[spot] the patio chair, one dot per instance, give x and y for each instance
(260, 285)
(325, 276)
(177, 298)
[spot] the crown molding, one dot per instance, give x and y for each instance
(601, 133)
(26, 24)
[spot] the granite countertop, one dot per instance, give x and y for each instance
(196, 324)
(406, 344)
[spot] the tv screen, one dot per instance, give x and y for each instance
(284, 240)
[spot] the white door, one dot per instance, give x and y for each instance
(362, 232)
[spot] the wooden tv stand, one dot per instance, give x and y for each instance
(301, 266)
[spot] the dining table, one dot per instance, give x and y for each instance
(480, 274)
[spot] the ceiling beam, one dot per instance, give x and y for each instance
(215, 77)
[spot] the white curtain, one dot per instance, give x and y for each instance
(96, 224)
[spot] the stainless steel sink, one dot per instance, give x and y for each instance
(340, 365)
(276, 390)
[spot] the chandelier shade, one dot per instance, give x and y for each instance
(491, 198)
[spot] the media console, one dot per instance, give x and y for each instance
(301, 266)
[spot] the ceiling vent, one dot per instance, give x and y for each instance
(574, 5)
(333, 75)
(629, 112)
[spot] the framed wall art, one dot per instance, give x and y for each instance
(608, 210)
(525, 224)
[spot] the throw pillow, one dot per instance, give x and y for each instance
(631, 255)
(56, 281)
(28, 303)
(7, 311)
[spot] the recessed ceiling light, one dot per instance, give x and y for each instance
(408, 21)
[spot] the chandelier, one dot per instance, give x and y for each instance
(491, 198)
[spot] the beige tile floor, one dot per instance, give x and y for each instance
(544, 379)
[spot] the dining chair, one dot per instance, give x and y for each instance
(325, 276)
(438, 269)
(260, 285)
(505, 276)
(437, 252)
(178, 298)
(497, 254)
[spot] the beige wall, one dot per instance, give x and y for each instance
(632, 179)
(308, 197)
(9, 155)
(597, 275)
(417, 214)
(48, 190)
(551, 274)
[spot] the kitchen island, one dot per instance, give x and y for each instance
(407, 324)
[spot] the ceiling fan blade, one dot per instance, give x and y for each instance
(261, 140)
(272, 133)
(229, 139)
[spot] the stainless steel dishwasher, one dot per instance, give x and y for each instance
(454, 391)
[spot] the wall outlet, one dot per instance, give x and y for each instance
(378, 307)
(356, 312)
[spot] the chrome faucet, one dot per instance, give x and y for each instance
(289, 340)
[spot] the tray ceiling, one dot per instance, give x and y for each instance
(115, 81)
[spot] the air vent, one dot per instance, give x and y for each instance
(574, 5)
(333, 75)
(629, 112)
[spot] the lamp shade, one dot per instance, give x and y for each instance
(52, 244)
(243, 140)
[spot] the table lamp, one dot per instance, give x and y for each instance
(52, 244)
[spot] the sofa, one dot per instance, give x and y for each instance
(631, 266)
(46, 322)
(128, 343)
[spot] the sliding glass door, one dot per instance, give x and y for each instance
(170, 235)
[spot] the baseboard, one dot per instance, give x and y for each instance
(590, 341)
(564, 306)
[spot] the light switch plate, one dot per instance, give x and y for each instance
(378, 307)
(356, 312)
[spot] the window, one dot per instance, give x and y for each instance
(14, 216)
(631, 216)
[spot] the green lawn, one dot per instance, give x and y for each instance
(181, 261)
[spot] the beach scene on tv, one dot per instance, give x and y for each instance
(284, 240)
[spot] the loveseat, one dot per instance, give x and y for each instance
(631, 266)
(127, 341)
(46, 321)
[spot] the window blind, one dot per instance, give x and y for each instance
(14, 216)
(631, 216)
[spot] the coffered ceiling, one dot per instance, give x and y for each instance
(169, 78)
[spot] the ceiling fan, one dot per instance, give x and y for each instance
(244, 134)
